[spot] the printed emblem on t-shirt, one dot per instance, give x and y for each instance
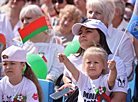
(89, 95)
(42, 54)
(121, 81)
(19, 98)
(101, 95)
(35, 96)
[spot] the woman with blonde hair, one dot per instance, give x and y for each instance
(43, 42)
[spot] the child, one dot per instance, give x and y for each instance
(15, 86)
(95, 85)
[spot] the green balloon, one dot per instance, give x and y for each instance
(72, 47)
(38, 65)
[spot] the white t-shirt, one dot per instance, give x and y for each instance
(87, 87)
(25, 88)
(6, 28)
(121, 84)
(50, 50)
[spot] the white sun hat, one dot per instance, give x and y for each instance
(89, 23)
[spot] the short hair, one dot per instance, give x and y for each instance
(107, 7)
(96, 51)
(72, 12)
(121, 5)
(31, 8)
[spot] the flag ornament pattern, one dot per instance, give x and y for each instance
(19, 98)
(39, 25)
(133, 23)
(101, 95)
(42, 54)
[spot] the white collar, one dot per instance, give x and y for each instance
(110, 29)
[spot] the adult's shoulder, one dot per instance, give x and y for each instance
(116, 58)
(114, 32)
(120, 65)
(3, 15)
(17, 38)
(73, 56)
(56, 39)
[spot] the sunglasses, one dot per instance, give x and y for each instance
(33, 1)
(59, 1)
(20, 0)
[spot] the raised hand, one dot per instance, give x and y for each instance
(112, 64)
(62, 58)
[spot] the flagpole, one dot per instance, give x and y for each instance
(119, 44)
(54, 33)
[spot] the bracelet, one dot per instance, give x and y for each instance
(51, 6)
(69, 82)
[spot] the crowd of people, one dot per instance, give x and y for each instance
(102, 64)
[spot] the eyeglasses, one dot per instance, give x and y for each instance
(59, 1)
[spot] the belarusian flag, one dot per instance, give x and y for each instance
(39, 25)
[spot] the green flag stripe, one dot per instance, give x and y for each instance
(35, 33)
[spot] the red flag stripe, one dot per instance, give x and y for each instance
(40, 22)
(106, 97)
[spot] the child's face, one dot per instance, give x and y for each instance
(94, 65)
(13, 69)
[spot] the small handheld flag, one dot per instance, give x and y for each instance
(132, 26)
(133, 23)
(39, 25)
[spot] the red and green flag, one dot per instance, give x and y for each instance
(39, 25)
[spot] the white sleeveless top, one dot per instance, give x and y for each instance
(50, 50)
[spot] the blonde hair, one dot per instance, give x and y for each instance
(107, 7)
(96, 51)
(72, 12)
(36, 11)
(31, 8)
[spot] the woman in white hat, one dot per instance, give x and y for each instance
(90, 31)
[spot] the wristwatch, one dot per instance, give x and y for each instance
(69, 82)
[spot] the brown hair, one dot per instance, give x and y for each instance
(102, 43)
(28, 73)
(72, 12)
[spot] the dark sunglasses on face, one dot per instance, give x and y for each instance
(20, 0)
(33, 1)
(59, 1)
